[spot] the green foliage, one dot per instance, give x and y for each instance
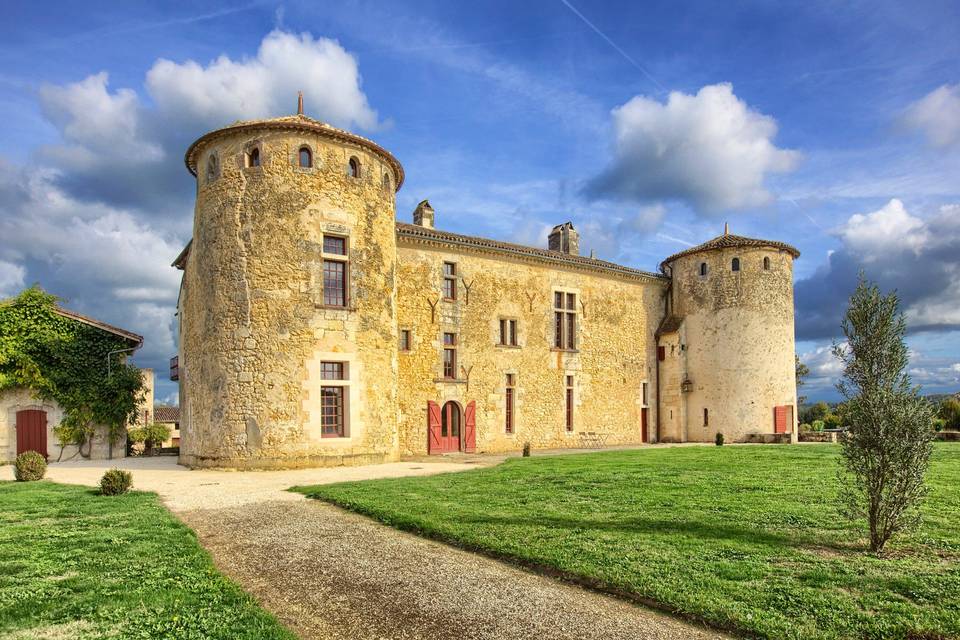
(802, 371)
(818, 425)
(886, 449)
(816, 412)
(526, 449)
(805, 427)
(745, 538)
(719, 439)
(939, 424)
(29, 466)
(832, 421)
(80, 566)
(63, 360)
(151, 435)
(115, 481)
(950, 412)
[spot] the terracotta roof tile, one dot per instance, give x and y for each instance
(728, 241)
(417, 232)
(164, 413)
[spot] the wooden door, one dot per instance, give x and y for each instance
(434, 444)
(450, 426)
(643, 424)
(780, 419)
(32, 431)
(470, 428)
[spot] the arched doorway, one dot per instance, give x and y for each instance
(445, 424)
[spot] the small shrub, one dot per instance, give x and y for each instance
(526, 449)
(939, 424)
(151, 435)
(29, 466)
(805, 428)
(719, 439)
(115, 481)
(818, 425)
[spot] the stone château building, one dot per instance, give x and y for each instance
(315, 329)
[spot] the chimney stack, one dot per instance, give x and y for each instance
(299, 103)
(423, 215)
(564, 238)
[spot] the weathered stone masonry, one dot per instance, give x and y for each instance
(255, 329)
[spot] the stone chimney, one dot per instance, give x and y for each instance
(564, 238)
(423, 215)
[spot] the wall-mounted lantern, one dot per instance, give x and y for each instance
(686, 386)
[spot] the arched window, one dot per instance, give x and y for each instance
(353, 169)
(735, 265)
(703, 268)
(253, 157)
(766, 263)
(386, 182)
(212, 167)
(306, 157)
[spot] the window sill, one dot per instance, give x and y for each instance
(564, 350)
(333, 307)
(448, 299)
(508, 346)
(450, 380)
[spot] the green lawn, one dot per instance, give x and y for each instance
(74, 564)
(745, 538)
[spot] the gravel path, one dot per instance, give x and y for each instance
(328, 573)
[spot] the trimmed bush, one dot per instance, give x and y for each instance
(526, 449)
(805, 427)
(818, 425)
(29, 466)
(115, 481)
(719, 439)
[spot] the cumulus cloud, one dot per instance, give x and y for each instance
(937, 116)
(710, 149)
(121, 150)
(11, 278)
(917, 256)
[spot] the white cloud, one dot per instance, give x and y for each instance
(710, 149)
(937, 116)
(890, 228)
(265, 85)
(11, 278)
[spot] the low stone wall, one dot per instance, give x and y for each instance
(817, 436)
(769, 438)
(949, 436)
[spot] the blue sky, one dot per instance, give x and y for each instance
(832, 126)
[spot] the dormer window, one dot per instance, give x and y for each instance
(305, 157)
(766, 264)
(735, 264)
(703, 268)
(353, 168)
(253, 157)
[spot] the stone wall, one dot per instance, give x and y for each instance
(738, 341)
(254, 328)
(616, 317)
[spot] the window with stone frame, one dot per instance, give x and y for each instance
(336, 271)
(509, 408)
(406, 342)
(449, 280)
(305, 157)
(450, 356)
(568, 401)
(333, 399)
(508, 332)
(565, 320)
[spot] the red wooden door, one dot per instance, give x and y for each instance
(780, 419)
(470, 428)
(450, 427)
(643, 424)
(434, 444)
(32, 431)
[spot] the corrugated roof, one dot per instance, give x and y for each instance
(728, 241)
(416, 232)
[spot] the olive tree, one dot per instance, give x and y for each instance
(886, 450)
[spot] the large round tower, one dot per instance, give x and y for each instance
(728, 342)
(287, 310)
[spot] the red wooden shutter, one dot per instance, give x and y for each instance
(433, 427)
(661, 353)
(470, 428)
(780, 419)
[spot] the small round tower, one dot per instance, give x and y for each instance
(728, 341)
(287, 314)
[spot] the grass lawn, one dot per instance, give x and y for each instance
(74, 564)
(745, 538)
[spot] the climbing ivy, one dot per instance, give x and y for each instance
(63, 360)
